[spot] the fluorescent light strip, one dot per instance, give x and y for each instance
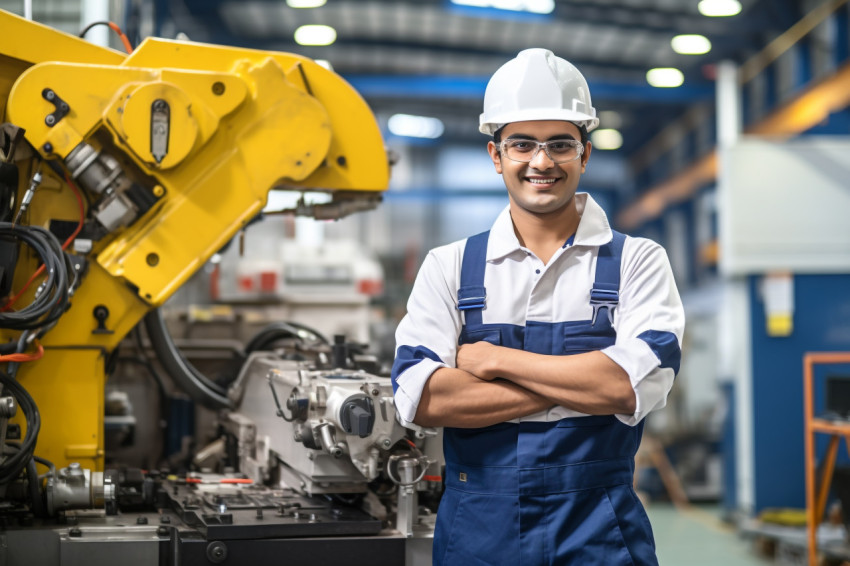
(315, 35)
(411, 126)
(305, 3)
(533, 6)
(719, 8)
(606, 139)
(690, 44)
(665, 77)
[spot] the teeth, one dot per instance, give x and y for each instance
(541, 181)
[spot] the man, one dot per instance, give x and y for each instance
(540, 346)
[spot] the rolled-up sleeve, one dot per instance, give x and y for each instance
(426, 338)
(650, 323)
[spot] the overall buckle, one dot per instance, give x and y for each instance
(471, 297)
(602, 298)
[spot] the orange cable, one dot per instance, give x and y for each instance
(21, 357)
(124, 39)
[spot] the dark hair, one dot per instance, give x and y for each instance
(497, 135)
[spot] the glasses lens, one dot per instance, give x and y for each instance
(558, 150)
(561, 151)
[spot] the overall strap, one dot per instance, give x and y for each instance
(472, 295)
(605, 293)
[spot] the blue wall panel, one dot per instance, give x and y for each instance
(821, 323)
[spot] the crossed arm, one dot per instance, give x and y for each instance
(493, 384)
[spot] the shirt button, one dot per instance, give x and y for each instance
(537, 271)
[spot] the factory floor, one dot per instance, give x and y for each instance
(697, 537)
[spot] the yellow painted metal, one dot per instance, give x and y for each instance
(71, 403)
(32, 42)
(355, 135)
(242, 122)
(24, 43)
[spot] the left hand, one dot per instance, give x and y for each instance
(477, 359)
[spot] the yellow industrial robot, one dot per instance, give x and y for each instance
(142, 166)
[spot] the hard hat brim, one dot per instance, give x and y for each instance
(495, 122)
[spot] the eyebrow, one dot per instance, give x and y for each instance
(527, 137)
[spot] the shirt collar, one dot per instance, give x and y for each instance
(593, 229)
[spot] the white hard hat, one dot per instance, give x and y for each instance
(537, 85)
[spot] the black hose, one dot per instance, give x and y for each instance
(12, 467)
(282, 330)
(38, 507)
(48, 464)
(199, 387)
(51, 303)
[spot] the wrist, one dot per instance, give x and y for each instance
(495, 366)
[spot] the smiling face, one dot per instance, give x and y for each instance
(541, 186)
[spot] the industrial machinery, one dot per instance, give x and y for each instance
(120, 176)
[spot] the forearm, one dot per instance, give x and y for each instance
(456, 398)
(589, 383)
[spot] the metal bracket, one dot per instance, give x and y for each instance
(62, 107)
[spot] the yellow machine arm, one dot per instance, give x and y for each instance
(175, 149)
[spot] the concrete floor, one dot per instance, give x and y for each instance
(697, 537)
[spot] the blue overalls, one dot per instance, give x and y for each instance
(542, 493)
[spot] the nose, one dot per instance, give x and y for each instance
(541, 160)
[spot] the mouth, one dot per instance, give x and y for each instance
(542, 182)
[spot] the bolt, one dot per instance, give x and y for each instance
(375, 391)
(216, 552)
(162, 531)
(341, 161)
(165, 519)
(50, 119)
(141, 520)
(387, 443)
(49, 94)
(75, 532)
(218, 88)
(152, 259)
(48, 147)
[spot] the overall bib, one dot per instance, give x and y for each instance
(542, 493)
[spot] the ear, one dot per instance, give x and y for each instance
(493, 150)
(585, 156)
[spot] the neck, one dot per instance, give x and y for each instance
(544, 233)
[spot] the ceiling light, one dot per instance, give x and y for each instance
(315, 35)
(610, 119)
(305, 3)
(665, 77)
(607, 139)
(719, 8)
(533, 6)
(415, 126)
(691, 44)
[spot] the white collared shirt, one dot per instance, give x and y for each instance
(521, 288)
